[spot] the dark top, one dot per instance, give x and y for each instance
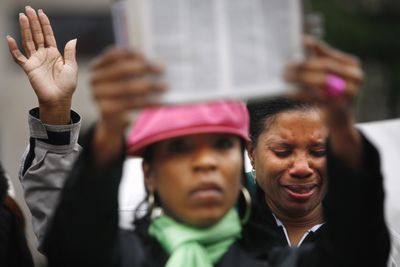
(14, 250)
(355, 233)
(84, 230)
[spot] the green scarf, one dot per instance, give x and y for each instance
(195, 247)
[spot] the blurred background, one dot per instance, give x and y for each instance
(369, 29)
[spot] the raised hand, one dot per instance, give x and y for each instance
(332, 79)
(316, 72)
(122, 81)
(53, 76)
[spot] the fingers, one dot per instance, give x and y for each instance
(112, 55)
(111, 106)
(315, 79)
(36, 31)
(124, 69)
(70, 53)
(17, 55)
(36, 28)
(47, 29)
(26, 35)
(128, 89)
(123, 80)
(323, 50)
(314, 72)
(348, 72)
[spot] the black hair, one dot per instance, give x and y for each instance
(263, 113)
(3, 184)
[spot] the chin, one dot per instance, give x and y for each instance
(207, 218)
(300, 210)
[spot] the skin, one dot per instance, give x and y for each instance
(197, 177)
(292, 153)
(335, 117)
(53, 76)
(289, 156)
(337, 111)
(121, 81)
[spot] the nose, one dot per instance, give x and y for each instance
(204, 159)
(301, 167)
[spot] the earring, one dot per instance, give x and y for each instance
(247, 199)
(253, 175)
(151, 203)
(154, 210)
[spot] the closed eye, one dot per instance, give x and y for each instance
(282, 153)
(318, 152)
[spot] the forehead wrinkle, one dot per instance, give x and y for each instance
(284, 136)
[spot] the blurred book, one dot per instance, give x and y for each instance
(214, 48)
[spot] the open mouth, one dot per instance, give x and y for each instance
(301, 192)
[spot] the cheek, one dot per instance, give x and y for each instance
(320, 166)
(233, 174)
(170, 191)
(270, 169)
(169, 180)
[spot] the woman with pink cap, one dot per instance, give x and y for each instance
(193, 164)
(193, 169)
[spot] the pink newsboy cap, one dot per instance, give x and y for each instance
(161, 123)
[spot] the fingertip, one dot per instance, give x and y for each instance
(161, 87)
(29, 9)
(70, 51)
(156, 68)
(72, 42)
(10, 41)
(307, 38)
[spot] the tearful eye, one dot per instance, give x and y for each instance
(224, 143)
(282, 153)
(318, 152)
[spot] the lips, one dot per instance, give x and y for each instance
(206, 193)
(301, 192)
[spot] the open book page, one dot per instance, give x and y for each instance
(120, 25)
(217, 48)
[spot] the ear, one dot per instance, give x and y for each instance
(148, 175)
(250, 152)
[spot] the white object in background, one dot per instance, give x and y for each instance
(385, 136)
(131, 192)
(214, 48)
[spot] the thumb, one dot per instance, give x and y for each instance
(70, 52)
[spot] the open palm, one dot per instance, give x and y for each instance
(52, 75)
(51, 78)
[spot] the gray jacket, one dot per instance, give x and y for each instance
(45, 165)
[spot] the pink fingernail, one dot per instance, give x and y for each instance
(335, 85)
(40, 11)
